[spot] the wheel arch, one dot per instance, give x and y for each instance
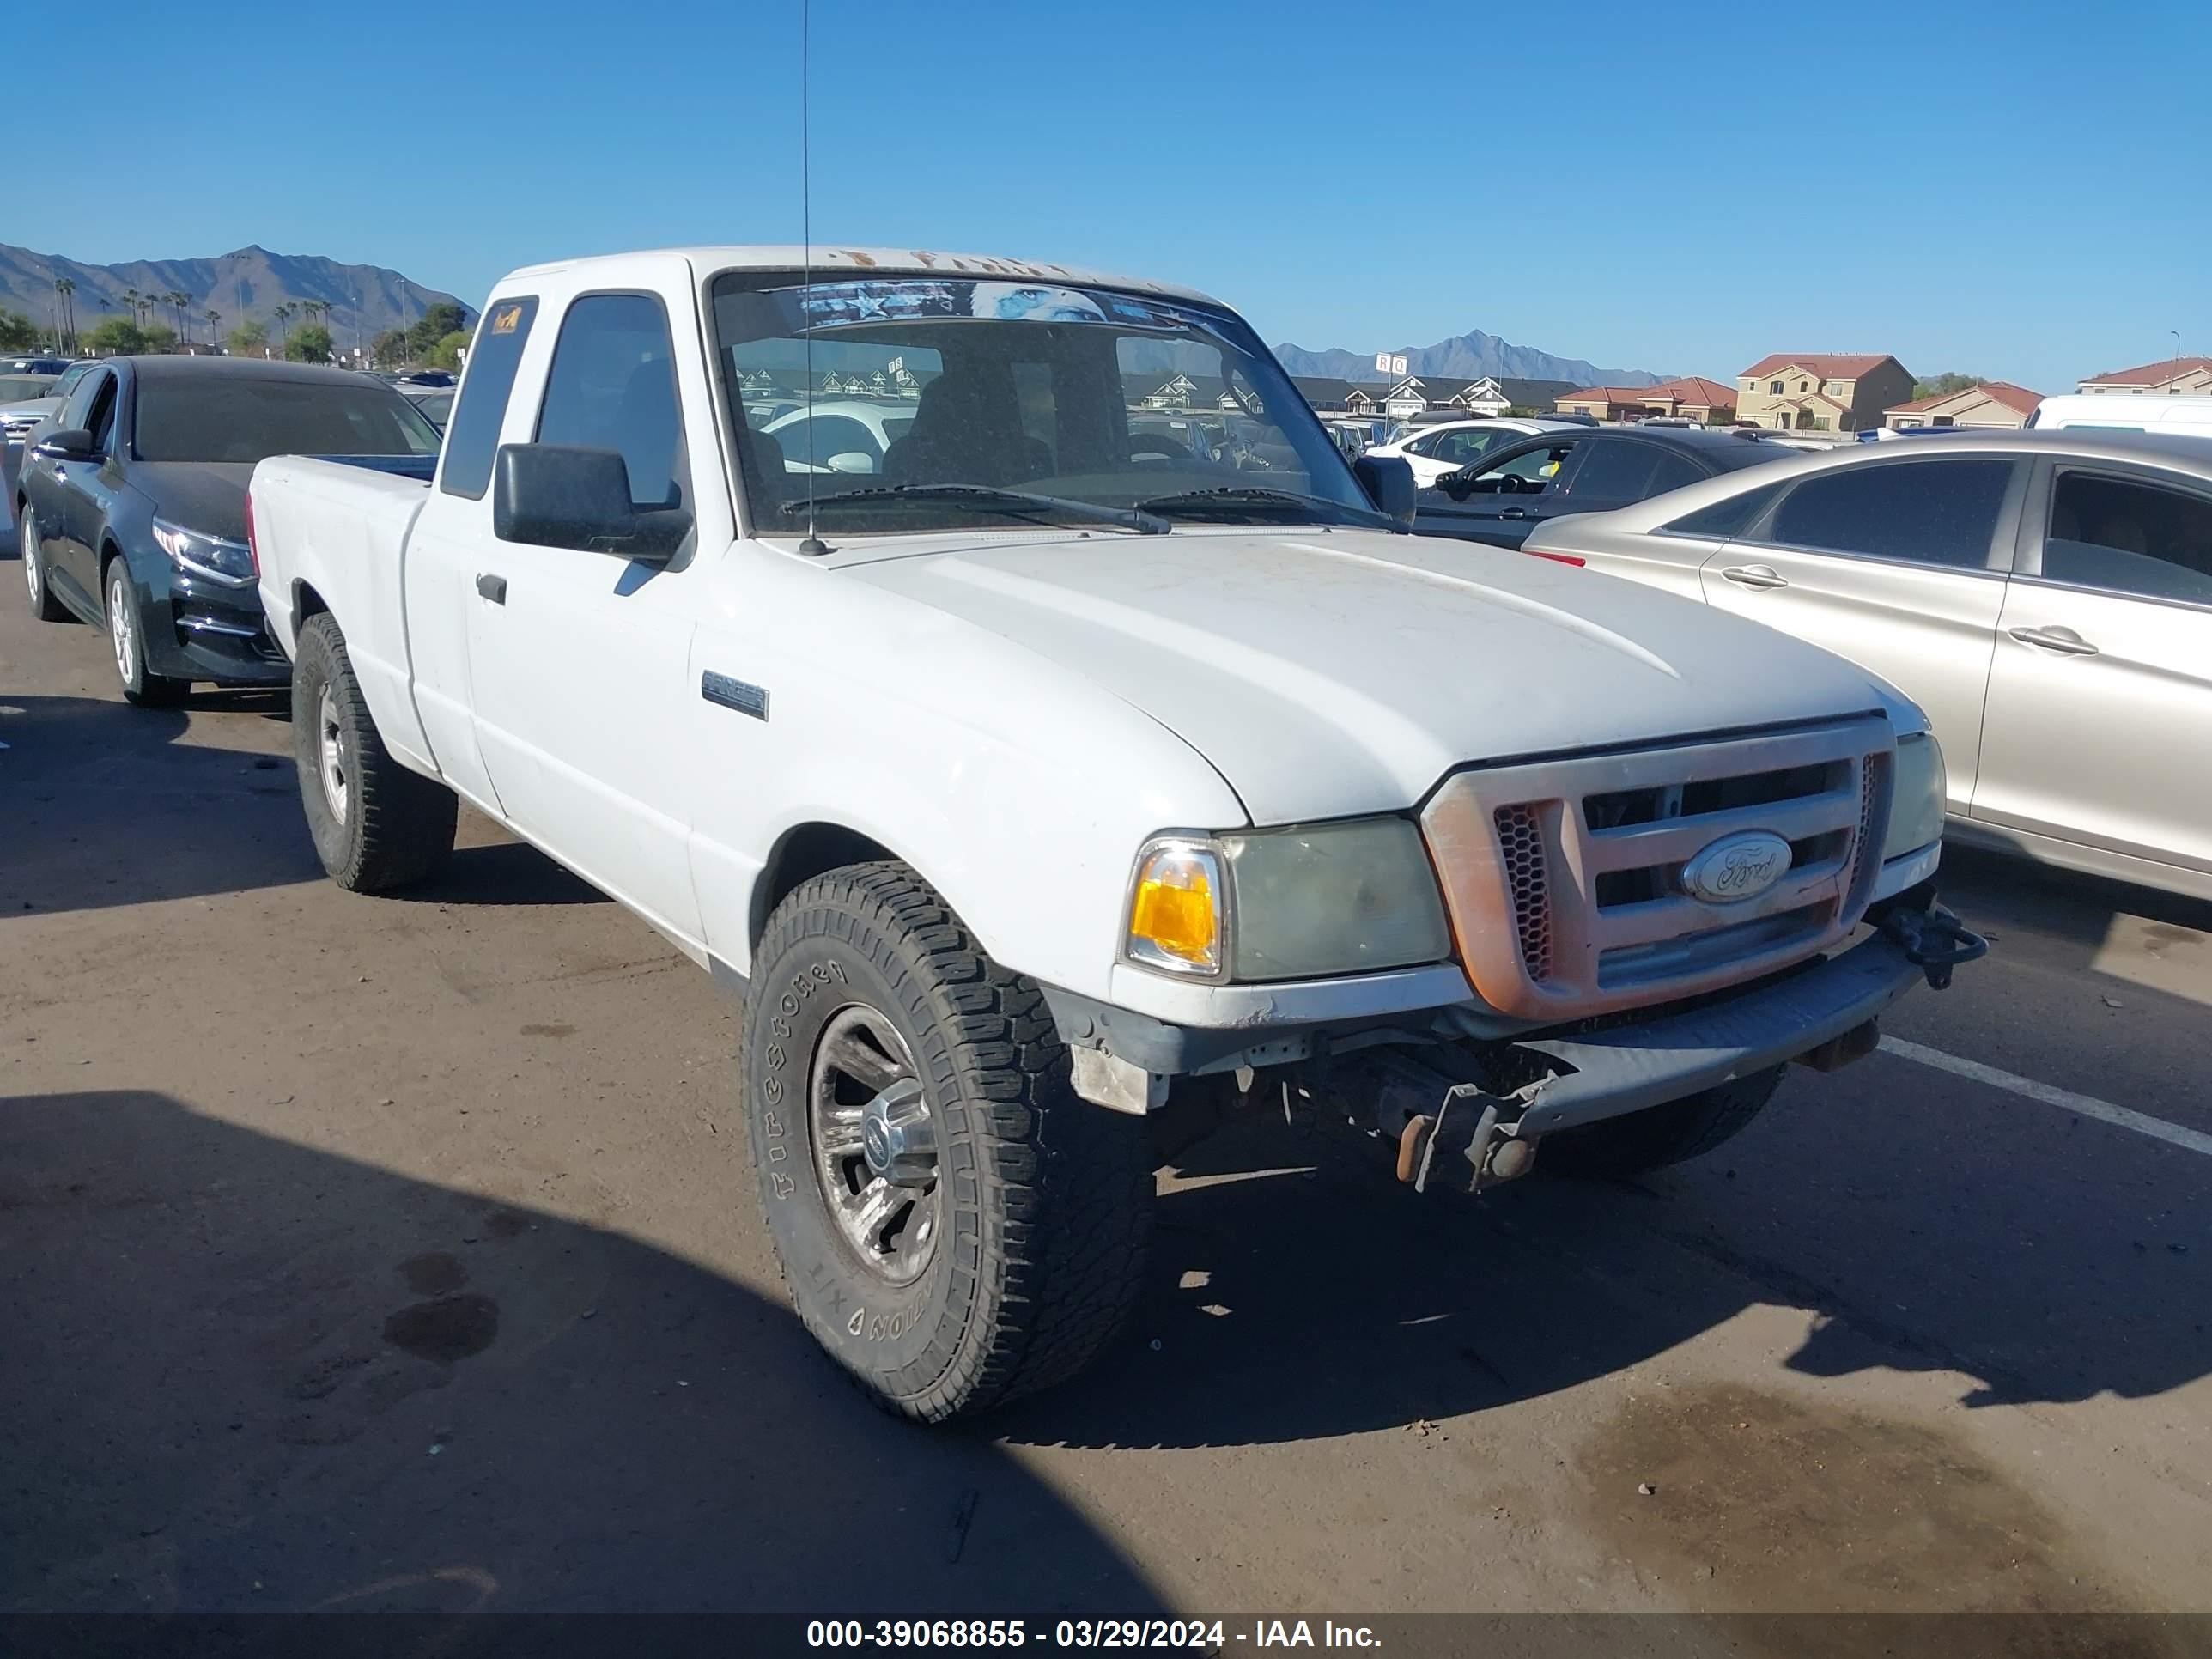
(800, 853)
(306, 603)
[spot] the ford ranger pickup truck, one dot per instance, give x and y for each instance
(1035, 775)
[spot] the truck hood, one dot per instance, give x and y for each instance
(1330, 673)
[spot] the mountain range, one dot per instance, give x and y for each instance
(248, 284)
(1466, 356)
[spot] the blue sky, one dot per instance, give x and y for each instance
(2009, 187)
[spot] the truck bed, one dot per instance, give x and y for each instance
(329, 533)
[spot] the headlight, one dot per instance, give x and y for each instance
(1916, 799)
(1334, 898)
(227, 561)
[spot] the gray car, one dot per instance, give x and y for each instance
(2046, 597)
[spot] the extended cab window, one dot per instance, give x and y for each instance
(1940, 512)
(613, 387)
(472, 440)
(2125, 537)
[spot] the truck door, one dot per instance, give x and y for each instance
(580, 660)
(445, 546)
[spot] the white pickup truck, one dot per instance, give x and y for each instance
(1038, 780)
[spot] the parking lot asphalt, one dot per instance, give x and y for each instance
(402, 1254)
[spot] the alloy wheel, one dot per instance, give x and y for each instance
(875, 1150)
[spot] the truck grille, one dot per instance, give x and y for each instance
(1521, 852)
(1564, 878)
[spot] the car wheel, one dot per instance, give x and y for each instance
(957, 1226)
(43, 606)
(376, 825)
(126, 638)
(1669, 1132)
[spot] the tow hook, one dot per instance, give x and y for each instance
(1935, 941)
(1479, 1126)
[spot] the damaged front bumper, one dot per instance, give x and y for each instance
(1473, 1099)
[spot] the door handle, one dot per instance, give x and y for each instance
(2064, 640)
(493, 588)
(1514, 512)
(1754, 575)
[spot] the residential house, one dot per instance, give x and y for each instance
(1992, 404)
(2173, 378)
(1186, 392)
(1821, 391)
(1431, 394)
(1710, 402)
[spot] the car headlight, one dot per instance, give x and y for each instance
(1915, 798)
(214, 556)
(1270, 904)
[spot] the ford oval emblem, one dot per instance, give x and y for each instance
(1737, 867)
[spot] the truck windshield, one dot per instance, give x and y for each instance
(239, 417)
(869, 396)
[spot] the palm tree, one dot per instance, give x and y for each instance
(179, 300)
(132, 297)
(66, 287)
(284, 313)
(214, 322)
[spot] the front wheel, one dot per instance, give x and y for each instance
(957, 1226)
(1669, 1132)
(126, 635)
(43, 606)
(376, 825)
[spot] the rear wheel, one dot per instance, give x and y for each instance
(376, 825)
(126, 637)
(1670, 1133)
(43, 606)
(957, 1226)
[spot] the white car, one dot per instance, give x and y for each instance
(846, 435)
(1433, 451)
(1040, 788)
(2046, 596)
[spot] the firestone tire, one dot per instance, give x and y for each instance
(1670, 1133)
(376, 825)
(1024, 1241)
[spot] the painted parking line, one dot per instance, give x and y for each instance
(2065, 1099)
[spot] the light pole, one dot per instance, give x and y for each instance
(2177, 341)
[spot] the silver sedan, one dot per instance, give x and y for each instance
(2046, 597)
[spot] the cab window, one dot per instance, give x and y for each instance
(613, 387)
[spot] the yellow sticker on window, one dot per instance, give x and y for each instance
(506, 321)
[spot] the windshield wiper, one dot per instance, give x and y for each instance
(1014, 503)
(1231, 498)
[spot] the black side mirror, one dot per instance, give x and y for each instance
(567, 495)
(1389, 482)
(70, 443)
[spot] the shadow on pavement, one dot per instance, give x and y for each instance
(241, 1374)
(508, 872)
(1288, 1306)
(102, 804)
(2061, 904)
